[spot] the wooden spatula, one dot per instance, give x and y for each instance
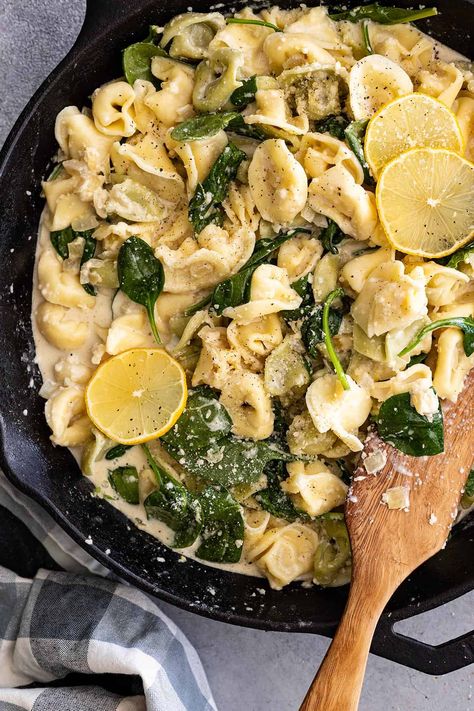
(388, 544)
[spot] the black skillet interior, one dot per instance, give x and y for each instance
(50, 474)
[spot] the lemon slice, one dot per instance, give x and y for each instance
(425, 201)
(137, 395)
(412, 121)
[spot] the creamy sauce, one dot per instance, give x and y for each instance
(47, 356)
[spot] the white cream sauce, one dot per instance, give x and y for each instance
(47, 356)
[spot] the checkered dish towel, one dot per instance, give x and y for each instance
(68, 622)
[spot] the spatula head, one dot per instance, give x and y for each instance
(393, 542)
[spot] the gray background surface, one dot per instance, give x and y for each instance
(248, 670)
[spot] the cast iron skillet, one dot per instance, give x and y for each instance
(50, 476)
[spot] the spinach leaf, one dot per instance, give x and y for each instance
(335, 125)
(125, 482)
(414, 360)
(224, 459)
(60, 239)
(205, 205)
(136, 59)
(238, 126)
(204, 420)
(261, 23)
(235, 290)
(465, 323)
(461, 255)
(90, 245)
(55, 172)
(469, 488)
(173, 504)
(277, 502)
(117, 451)
(330, 236)
(245, 94)
(312, 332)
(222, 527)
(366, 37)
(399, 424)
(303, 288)
(337, 293)
(354, 134)
(203, 126)
(141, 276)
(384, 15)
(231, 461)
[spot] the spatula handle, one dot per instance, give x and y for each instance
(338, 683)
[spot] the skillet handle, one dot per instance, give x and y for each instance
(428, 658)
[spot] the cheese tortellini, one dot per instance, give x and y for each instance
(215, 201)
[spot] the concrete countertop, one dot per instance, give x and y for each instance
(248, 670)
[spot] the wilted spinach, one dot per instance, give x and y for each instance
(203, 421)
(205, 205)
(203, 126)
(245, 94)
(399, 424)
(331, 236)
(469, 488)
(173, 504)
(354, 134)
(125, 482)
(460, 255)
(141, 276)
(136, 59)
(335, 125)
(224, 459)
(235, 290)
(327, 330)
(243, 21)
(303, 288)
(366, 37)
(117, 451)
(383, 15)
(222, 526)
(312, 332)
(465, 323)
(61, 239)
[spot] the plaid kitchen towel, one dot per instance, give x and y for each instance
(64, 622)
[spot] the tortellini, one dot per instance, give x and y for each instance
(452, 365)
(278, 182)
(59, 328)
(191, 33)
(203, 261)
(341, 411)
(129, 331)
(79, 138)
(60, 287)
(173, 102)
(444, 83)
(416, 380)
(337, 195)
(272, 110)
(314, 488)
(218, 363)
(290, 49)
(216, 79)
(299, 256)
(112, 109)
(249, 405)
(133, 201)
(65, 414)
(373, 82)
(198, 157)
(285, 553)
(270, 292)
(320, 151)
(248, 40)
(255, 340)
(390, 299)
